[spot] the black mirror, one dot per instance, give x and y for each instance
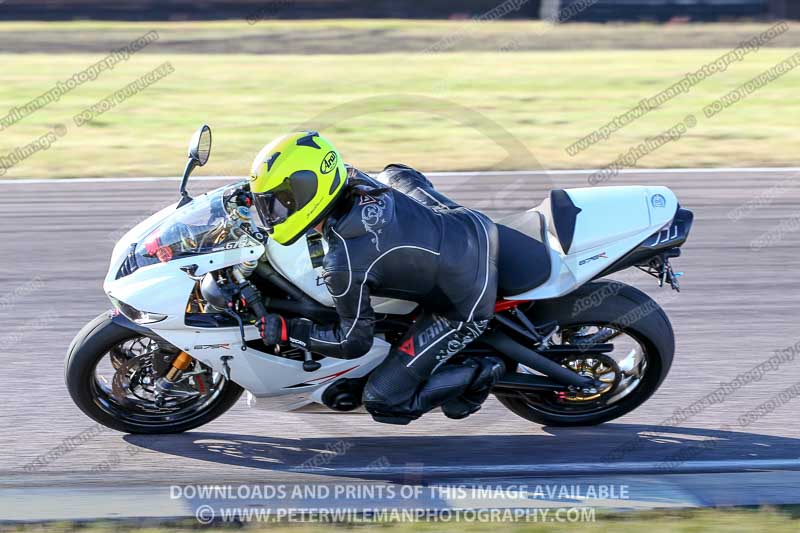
(199, 151)
(200, 145)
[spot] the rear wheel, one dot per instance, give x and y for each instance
(601, 312)
(111, 373)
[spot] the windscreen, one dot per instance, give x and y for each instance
(209, 223)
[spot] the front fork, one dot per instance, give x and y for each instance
(165, 386)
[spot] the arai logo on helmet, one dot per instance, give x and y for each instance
(328, 162)
(658, 200)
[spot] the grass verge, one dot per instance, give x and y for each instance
(369, 36)
(443, 111)
(783, 520)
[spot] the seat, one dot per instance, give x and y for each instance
(524, 255)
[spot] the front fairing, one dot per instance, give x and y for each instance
(173, 247)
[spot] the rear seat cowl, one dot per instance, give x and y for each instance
(563, 214)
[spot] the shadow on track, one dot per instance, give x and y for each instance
(669, 447)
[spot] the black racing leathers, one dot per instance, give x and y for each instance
(407, 241)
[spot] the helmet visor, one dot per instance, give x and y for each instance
(275, 206)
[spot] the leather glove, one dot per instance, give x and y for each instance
(273, 330)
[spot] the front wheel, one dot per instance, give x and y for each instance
(601, 312)
(111, 371)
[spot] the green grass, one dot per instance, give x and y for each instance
(689, 521)
(445, 111)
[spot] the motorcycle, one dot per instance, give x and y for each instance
(179, 347)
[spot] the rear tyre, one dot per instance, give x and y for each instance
(103, 338)
(595, 311)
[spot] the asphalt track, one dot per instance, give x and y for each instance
(738, 305)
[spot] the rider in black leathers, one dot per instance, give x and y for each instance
(394, 237)
(408, 241)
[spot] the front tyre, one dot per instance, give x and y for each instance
(110, 372)
(602, 312)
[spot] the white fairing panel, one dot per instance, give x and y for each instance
(164, 288)
(608, 214)
(294, 263)
(266, 375)
(611, 223)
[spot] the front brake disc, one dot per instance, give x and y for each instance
(121, 382)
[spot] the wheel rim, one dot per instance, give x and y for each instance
(622, 371)
(123, 385)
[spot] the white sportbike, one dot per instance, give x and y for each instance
(179, 347)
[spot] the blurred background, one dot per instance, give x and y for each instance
(469, 85)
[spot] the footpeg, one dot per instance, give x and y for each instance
(309, 365)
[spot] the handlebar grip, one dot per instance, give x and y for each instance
(252, 298)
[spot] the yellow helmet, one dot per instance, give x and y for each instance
(294, 181)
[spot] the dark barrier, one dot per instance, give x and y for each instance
(279, 9)
(664, 10)
(587, 10)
